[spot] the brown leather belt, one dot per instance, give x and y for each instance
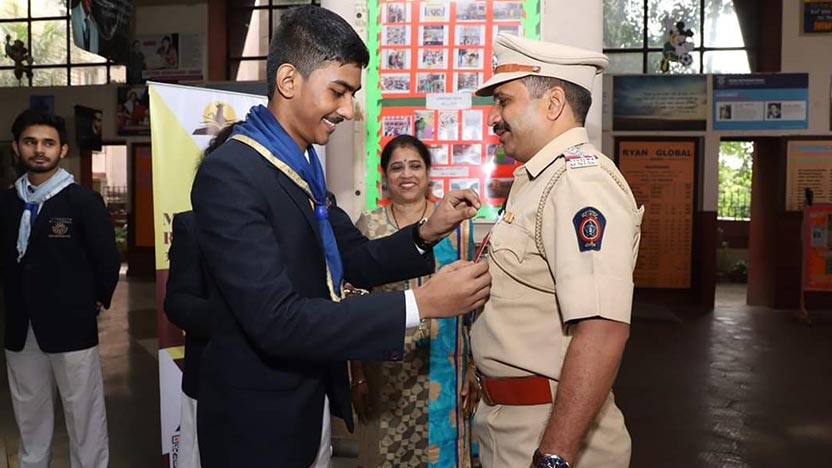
(515, 391)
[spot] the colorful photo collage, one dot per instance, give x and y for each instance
(441, 46)
(463, 153)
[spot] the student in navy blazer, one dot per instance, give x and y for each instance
(192, 303)
(60, 267)
(279, 351)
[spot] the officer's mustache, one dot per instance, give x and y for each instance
(501, 127)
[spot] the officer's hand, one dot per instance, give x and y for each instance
(456, 206)
(470, 392)
(455, 289)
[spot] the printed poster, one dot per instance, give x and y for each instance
(816, 17)
(659, 102)
(166, 57)
(761, 101)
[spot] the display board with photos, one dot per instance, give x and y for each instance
(426, 49)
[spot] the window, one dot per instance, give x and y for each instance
(44, 28)
(635, 35)
(250, 27)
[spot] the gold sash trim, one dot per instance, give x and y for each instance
(298, 180)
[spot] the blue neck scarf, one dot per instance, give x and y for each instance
(262, 126)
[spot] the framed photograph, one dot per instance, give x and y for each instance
(430, 82)
(774, 110)
(395, 125)
(434, 12)
(469, 58)
(438, 155)
(496, 154)
(132, 110)
(508, 11)
(395, 35)
(395, 13)
(424, 122)
(88, 128)
(470, 11)
(395, 59)
(433, 35)
(470, 34)
(514, 29)
(466, 154)
(395, 83)
(472, 124)
(462, 184)
(467, 81)
(433, 58)
(448, 125)
(726, 112)
(498, 187)
(437, 188)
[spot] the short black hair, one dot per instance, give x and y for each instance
(29, 118)
(578, 97)
(307, 37)
(404, 141)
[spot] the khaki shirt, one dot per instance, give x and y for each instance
(589, 230)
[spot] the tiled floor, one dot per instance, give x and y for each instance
(739, 387)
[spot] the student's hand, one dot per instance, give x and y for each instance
(456, 206)
(360, 396)
(455, 289)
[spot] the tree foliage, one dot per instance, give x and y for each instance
(48, 46)
(735, 168)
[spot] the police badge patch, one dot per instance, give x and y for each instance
(589, 227)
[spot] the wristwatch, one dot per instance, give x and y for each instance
(417, 238)
(548, 460)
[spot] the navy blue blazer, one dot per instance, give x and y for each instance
(192, 301)
(71, 263)
(282, 343)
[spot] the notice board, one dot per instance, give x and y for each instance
(808, 165)
(661, 174)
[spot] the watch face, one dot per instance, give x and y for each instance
(552, 461)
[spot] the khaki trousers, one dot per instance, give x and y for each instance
(509, 435)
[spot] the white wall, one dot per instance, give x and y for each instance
(172, 19)
(558, 24)
(812, 54)
(345, 152)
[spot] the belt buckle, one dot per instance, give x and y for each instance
(486, 397)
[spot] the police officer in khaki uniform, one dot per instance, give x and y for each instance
(548, 344)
